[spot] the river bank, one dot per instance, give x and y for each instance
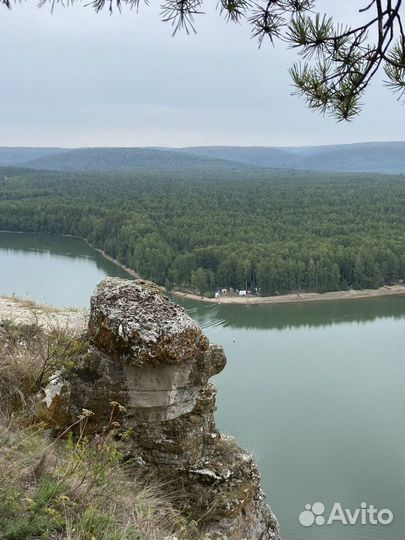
(387, 290)
(111, 259)
(351, 294)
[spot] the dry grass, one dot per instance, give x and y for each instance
(68, 487)
(19, 364)
(29, 355)
(32, 305)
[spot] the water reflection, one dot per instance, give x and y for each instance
(60, 271)
(284, 316)
(66, 246)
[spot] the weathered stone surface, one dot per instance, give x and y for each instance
(147, 354)
(93, 384)
(136, 321)
(225, 490)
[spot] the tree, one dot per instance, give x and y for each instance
(338, 61)
(200, 280)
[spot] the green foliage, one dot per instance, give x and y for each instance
(395, 68)
(40, 515)
(96, 523)
(9, 498)
(269, 230)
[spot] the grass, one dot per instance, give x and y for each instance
(70, 487)
(34, 306)
(29, 355)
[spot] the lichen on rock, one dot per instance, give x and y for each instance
(147, 354)
(134, 319)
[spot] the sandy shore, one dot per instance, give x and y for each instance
(293, 298)
(111, 259)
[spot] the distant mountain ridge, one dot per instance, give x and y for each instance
(14, 155)
(125, 159)
(377, 157)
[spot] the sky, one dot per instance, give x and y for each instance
(77, 78)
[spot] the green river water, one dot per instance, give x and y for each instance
(316, 391)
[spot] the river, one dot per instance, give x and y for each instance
(316, 391)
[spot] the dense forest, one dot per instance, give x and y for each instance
(271, 230)
(379, 157)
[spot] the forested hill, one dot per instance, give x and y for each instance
(202, 229)
(379, 157)
(15, 155)
(126, 159)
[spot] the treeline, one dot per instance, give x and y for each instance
(273, 231)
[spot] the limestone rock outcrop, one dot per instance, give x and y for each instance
(148, 355)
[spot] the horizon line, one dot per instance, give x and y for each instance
(158, 147)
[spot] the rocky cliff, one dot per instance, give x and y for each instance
(147, 355)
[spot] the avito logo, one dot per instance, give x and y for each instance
(365, 515)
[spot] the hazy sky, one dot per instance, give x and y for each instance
(75, 78)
